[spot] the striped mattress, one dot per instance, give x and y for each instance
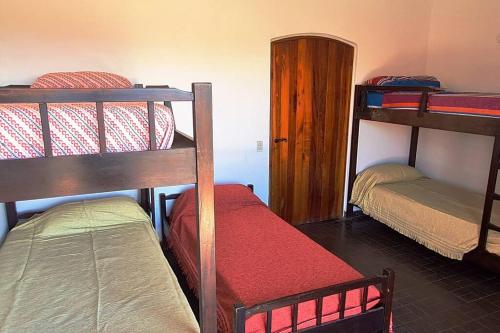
(473, 104)
(73, 126)
(73, 129)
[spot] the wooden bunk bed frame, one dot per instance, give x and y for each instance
(481, 125)
(376, 319)
(186, 162)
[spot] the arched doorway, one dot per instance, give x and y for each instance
(311, 81)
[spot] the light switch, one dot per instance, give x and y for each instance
(260, 146)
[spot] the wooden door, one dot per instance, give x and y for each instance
(311, 80)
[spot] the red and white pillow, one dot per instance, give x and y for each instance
(81, 80)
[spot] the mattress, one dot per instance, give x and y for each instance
(442, 217)
(259, 258)
(472, 104)
(94, 266)
(73, 128)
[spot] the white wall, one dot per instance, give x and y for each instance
(224, 42)
(463, 52)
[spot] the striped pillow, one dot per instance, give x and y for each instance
(82, 80)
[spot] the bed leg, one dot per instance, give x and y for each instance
(352, 163)
(239, 319)
(387, 296)
(490, 194)
(202, 119)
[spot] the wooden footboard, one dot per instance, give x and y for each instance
(376, 319)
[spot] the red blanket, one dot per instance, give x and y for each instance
(260, 257)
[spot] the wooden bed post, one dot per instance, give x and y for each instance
(11, 212)
(239, 319)
(412, 158)
(353, 161)
(387, 296)
(490, 194)
(202, 119)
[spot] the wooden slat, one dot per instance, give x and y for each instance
(376, 319)
(342, 299)
(319, 311)
(496, 196)
(92, 95)
(152, 208)
(303, 131)
(202, 108)
(101, 129)
(313, 294)
(80, 174)
(364, 299)
(44, 119)
(269, 321)
(423, 104)
(295, 317)
(163, 208)
(152, 125)
(144, 199)
(12, 216)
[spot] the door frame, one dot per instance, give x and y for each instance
(351, 104)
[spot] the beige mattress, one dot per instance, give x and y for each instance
(94, 266)
(442, 217)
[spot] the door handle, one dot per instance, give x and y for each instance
(278, 140)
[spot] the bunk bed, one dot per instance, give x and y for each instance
(270, 276)
(431, 107)
(187, 161)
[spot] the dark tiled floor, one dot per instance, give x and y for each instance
(433, 293)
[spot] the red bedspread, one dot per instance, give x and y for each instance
(476, 104)
(260, 257)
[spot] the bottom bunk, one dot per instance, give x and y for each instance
(442, 217)
(92, 266)
(273, 278)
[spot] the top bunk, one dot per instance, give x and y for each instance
(420, 104)
(53, 171)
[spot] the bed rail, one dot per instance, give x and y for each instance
(95, 172)
(377, 319)
(421, 118)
